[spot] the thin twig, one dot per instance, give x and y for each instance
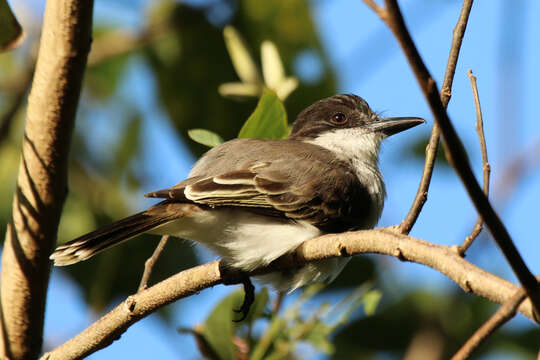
(507, 311)
(119, 43)
(151, 261)
(486, 169)
(377, 9)
(433, 144)
(279, 301)
(457, 156)
(381, 241)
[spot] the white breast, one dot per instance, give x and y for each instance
(247, 240)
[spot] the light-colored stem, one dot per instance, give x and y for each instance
(151, 261)
(433, 144)
(42, 179)
(382, 241)
(486, 169)
(457, 156)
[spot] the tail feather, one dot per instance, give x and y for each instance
(90, 244)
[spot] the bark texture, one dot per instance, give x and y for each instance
(42, 179)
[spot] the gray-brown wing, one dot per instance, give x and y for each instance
(299, 191)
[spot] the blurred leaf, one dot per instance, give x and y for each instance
(202, 345)
(257, 309)
(407, 317)
(287, 87)
(9, 158)
(242, 61)
(371, 300)
(318, 337)
(104, 78)
(272, 67)
(273, 331)
(186, 79)
(219, 327)
(417, 149)
(269, 120)
(128, 144)
(11, 33)
(205, 137)
(238, 90)
(359, 270)
(274, 73)
(289, 25)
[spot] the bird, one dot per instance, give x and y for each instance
(253, 200)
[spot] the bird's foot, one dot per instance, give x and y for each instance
(249, 298)
(232, 276)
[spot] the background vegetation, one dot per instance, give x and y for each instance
(154, 73)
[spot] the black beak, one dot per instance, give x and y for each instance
(394, 125)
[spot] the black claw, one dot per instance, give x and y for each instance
(249, 298)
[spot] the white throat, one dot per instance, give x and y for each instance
(361, 150)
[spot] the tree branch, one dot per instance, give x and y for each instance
(486, 169)
(149, 264)
(381, 241)
(433, 144)
(458, 157)
(506, 312)
(42, 178)
(377, 9)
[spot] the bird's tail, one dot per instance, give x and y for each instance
(90, 244)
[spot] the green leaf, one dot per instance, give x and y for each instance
(205, 137)
(275, 329)
(269, 120)
(10, 30)
(371, 300)
(128, 144)
(258, 306)
(104, 77)
(287, 87)
(318, 337)
(239, 90)
(272, 66)
(219, 328)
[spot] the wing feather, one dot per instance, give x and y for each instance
(298, 184)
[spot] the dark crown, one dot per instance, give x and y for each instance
(315, 119)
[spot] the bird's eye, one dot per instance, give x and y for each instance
(339, 119)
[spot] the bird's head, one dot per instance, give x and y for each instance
(346, 123)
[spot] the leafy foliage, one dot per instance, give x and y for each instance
(10, 30)
(187, 59)
(282, 333)
(269, 120)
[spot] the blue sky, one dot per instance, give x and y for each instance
(503, 53)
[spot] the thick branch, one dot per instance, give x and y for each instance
(506, 312)
(42, 178)
(382, 241)
(458, 157)
(433, 144)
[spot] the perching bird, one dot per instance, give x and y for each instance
(253, 200)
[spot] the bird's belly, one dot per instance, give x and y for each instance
(246, 240)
